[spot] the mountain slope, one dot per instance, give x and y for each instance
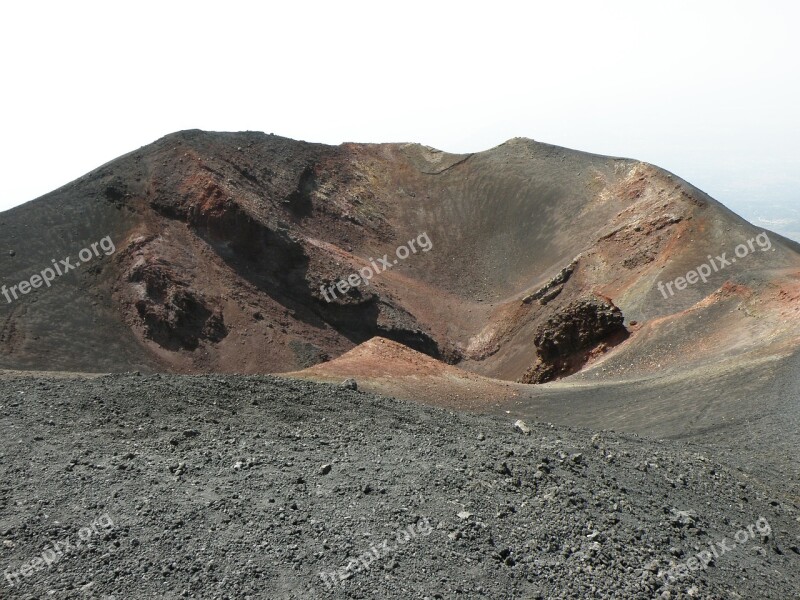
(527, 262)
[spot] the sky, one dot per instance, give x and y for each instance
(708, 90)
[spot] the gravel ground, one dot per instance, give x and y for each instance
(260, 487)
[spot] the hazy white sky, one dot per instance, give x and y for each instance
(709, 90)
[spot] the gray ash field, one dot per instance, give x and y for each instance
(168, 486)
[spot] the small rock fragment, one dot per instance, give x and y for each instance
(349, 384)
(520, 426)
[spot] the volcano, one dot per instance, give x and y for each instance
(543, 263)
(551, 306)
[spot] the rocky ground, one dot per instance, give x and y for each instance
(260, 487)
